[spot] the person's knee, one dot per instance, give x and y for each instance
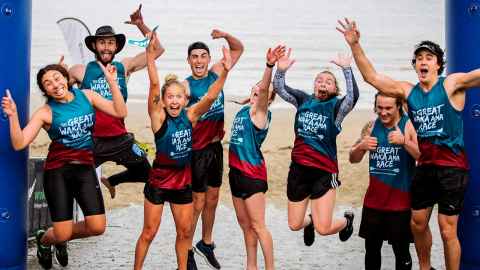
(295, 225)
(184, 232)
(96, 229)
(148, 234)
(211, 200)
(258, 227)
(448, 232)
(198, 202)
(418, 225)
(62, 235)
(322, 229)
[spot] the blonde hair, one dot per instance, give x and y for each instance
(271, 96)
(171, 79)
(337, 92)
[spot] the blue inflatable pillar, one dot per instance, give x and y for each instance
(463, 54)
(15, 32)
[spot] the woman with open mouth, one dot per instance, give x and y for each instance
(170, 178)
(68, 117)
(313, 172)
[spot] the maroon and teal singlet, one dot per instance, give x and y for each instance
(71, 131)
(171, 167)
(439, 127)
(210, 125)
(315, 135)
(245, 142)
(391, 170)
(105, 125)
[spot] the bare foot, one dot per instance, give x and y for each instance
(110, 188)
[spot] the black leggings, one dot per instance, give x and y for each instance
(72, 181)
(373, 254)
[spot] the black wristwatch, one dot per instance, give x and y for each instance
(270, 65)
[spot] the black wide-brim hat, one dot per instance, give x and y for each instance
(105, 31)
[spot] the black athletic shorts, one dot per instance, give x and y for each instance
(391, 226)
(443, 185)
(207, 167)
(244, 187)
(304, 182)
(160, 195)
(120, 149)
(72, 181)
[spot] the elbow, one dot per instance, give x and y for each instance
(122, 113)
(160, 51)
(18, 146)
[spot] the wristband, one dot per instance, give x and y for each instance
(270, 65)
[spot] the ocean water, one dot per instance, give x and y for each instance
(389, 31)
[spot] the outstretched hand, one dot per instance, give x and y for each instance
(349, 30)
(8, 105)
(218, 34)
(226, 59)
(110, 72)
(285, 62)
(136, 17)
(274, 55)
(342, 60)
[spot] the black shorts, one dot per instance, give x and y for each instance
(244, 187)
(304, 182)
(119, 149)
(161, 195)
(442, 185)
(391, 226)
(72, 181)
(207, 167)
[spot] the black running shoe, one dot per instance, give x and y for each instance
(44, 253)
(191, 264)
(346, 232)
(309, 233)
(206, 251)
(61, 254)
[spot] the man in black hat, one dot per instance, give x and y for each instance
(111, 139)
(435, 106)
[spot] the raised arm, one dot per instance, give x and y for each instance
(381, 82)
(76, 72)
(18, 137)
(234, 44)
(293, 96)
(348, 102)
(259, 114)
(139, 61)
(155, 103)
(462, 81)
(202, 106)
(116, 107)
(364, 144)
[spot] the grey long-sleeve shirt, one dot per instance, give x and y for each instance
(297, 97)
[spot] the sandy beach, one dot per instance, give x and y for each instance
(276, 149)
(115, 249)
